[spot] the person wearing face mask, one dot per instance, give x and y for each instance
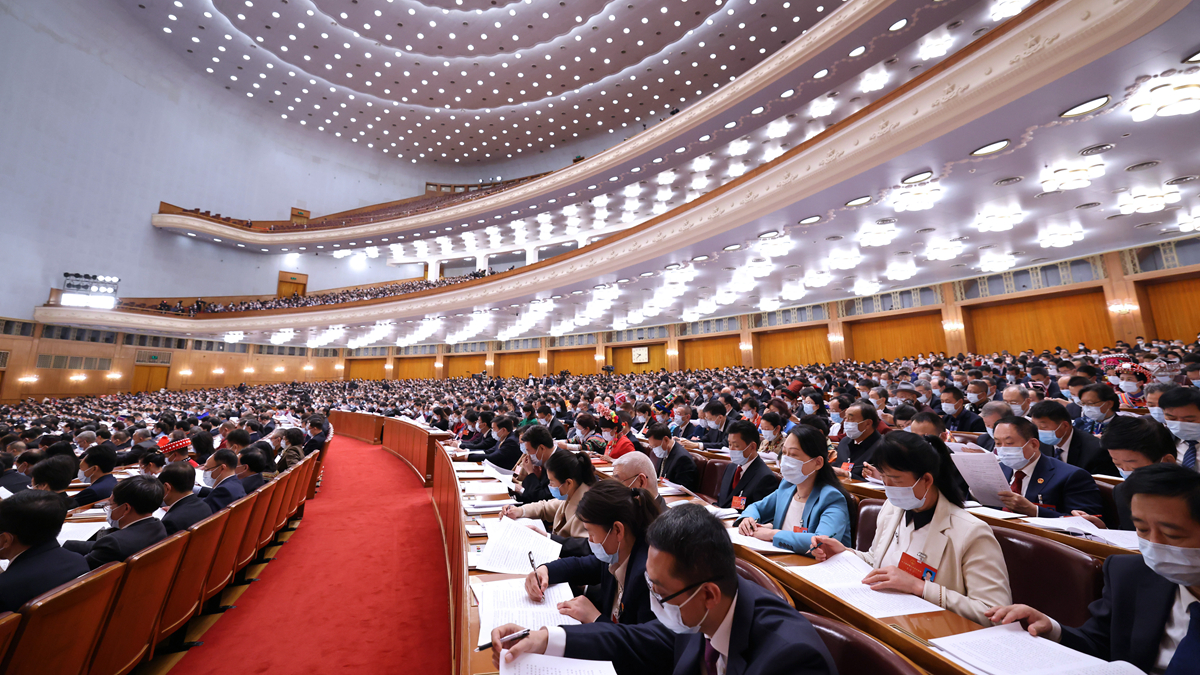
(1149, 613)
(220, 478)
(925, 542)
(908, 395)
(746, 479)
(10, 479)
(861, 438)
(955, 413)
(1181, 407)
(1040, 375)
(1039, 484)
(587, 436)
(251, 464)
(710, 620)
(682, 425)
(716, 437)
(132, 525)
(183, 509)
(1154, 392)
(570, 475)
(54, 474)
(1018, 399)
(809, 501)
(95, 469)
(616, 519)
(547, 419)
(482, 439)
(316, 435)
(1132, 442)
(507, 451)
(1133, 381)
(977, 396)
(1099, 404)
(29, 525)
(1074, 448)
(770, 426)
(813, 403)
(671, 460)
(635, 470)
(537, 446)
(614, 428)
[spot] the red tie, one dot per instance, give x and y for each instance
(1018, 477)
(737, 475)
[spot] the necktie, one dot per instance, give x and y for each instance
(1187, 652)
(1189, 456)
(1018, 481)
(737, 475)
(710, 658)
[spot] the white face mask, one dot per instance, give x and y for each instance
(768, 436)
(641, 419)
(1128, 387)
(602, 555)
(1093, 412)
(608, 436)
(922, 399)
(793, 469)
(738, 457)
(1013, 458)
(671, 615)
(1017, 409)
(904, 498)
(207, 477)
(972, 398)
(677, 420)
(1113, 379)
(1157, 414)
(949, 408)
(1185, 431)
(852, 430)
(83, 478)
(1124, 474)
(1174, 563)
(810, 408)
(112, 522)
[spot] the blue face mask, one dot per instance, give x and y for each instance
(556, 493)
(1047, 436)
(835, 416)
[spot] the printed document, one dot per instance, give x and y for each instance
(842, 576)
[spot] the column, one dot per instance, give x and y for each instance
(439, 363)
(433, 270)
(489, 361)
(952, 322)
(837, 337)
(531, 255)
(543, 356)
(746, 340)
(481, 262)
(1125, 313)
(673, 347)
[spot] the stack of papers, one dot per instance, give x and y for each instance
(720, 513)
(506, 601)
(475, 508)
(1011, 650)
(540, 664)
(79, 531)
(982, 473)
(753, 543)
(1078, 525)
(510, 546)
(489, 523)
(842, 576)
(964, 447)
(484, 488)
(994, 513)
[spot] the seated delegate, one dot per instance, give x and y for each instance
(1040, 484)
(925, 542)
(616, 519)
(570, 476)
(131, 520)
(809, 501)
(29, 525)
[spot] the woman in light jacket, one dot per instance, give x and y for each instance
(809, 501)
(926, 543)
(570, 475)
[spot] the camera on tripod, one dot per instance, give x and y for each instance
(609, 369)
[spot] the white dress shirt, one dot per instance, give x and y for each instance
(1028, 471)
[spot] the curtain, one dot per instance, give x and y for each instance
(716, 352)
(517, 365)
(1175, 306)
(892, 338)
(578, 361)
(796, 347)
(415, 368)
(465, 366)
(1043, 323)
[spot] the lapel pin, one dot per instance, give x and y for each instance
(1041, 480)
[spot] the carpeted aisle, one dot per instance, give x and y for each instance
(360, 587)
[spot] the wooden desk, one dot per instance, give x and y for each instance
(362, 426)
(414, 444)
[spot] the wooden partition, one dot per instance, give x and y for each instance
(362, 426)
(1041, 323)
(465, 366)
(907, 335)
(778, 349)
(622, 359)
(1175, 308)
(412, 443)
(517, 365)
(714, 352)
(366, 369)
(578, 361)
(420, 368)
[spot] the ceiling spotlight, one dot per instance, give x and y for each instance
(898, 25)
(859, 201)
(1194, 58)
(810, 220)
(990, 148)
(844, 259)
(943, 249)
(732, 247)
(875, 234)
(1145, 200)
(901, 270)
(1177, 94)
(996, 261)
(865, 287)
(1070, 177)
(918, 178)
(1087, 107)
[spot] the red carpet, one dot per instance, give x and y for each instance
(360, 587)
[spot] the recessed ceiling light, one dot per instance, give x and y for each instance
(1097, 149)
(1047, 194)
(858, 201)
(1182, 179)
(1194, 58)
(1089, 205)
(1087, 107)
(191, 234)
(700, 258)
(990, 148)
(673, 266)
(885, 221)
(732, 247)
(926, 230)
(1011, 180)
(810, 220)
(834, 237)
(1144, 225)
(960, 238)
(821, 73)
(918, 178)
(898, 25)
(646, 274)
(858, 51)
(769, 234)
(576, 292)
(1142, 166)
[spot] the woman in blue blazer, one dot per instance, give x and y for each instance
(809, 500)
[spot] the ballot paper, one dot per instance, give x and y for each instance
(1011, 650)
(474, 530)
(540, 664)
(842, 576)
(4, 493)
(994, 513)
(982, 473)
(79, 531)
(964, 447)
(489, 523)
(720, 513)
(664, 491)
(480, 488)
(476, 508)
(506, 601)
(499, 473)
(754, 543)
(1078, 525)
(510, 545)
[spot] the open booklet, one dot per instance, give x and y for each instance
(754, 543)
(511, 546)
(502, 602)
(1079, 525)
(540, 664)
(1011, 650)
(842, 576)
(982, 472)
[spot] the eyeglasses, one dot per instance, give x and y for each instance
(664, 600)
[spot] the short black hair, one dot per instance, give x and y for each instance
(1180, 398)
(55, 472)
(1050, 410)
(867, 410)
(294, 436)
(716, 408)
(142, 493)
(746, 431)
(225, 456)
(658, 431)
(34, 517)
(316, 421)
(504, 422)
(1024, 427)
(954, 391)
(102, 457)
(697, 542)
(238, 437)
(932, 418)
(1140, 434)
(156, 458)
(1165, 480)
(254, 459)
(537, 436)
(1105, 393)
(179, 475)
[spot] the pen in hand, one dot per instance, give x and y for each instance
(507, 638)
(531, 563)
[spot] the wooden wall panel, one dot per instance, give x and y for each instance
(891, 338)
(149, 378)
(465, 366)
(366, 369)
(799, 346)
(415, 368)
(1175, 306)
(714, 352)
(622, 359)
(578, 361)
(1042, 323)
(517, 365)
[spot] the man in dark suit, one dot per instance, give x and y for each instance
(220, 476)
(1039, 375)
(29, 525)
(142, 444)
(1040, 485)
(95, 469)
(858, 446)
(956, 414)
(507, 451)
(990, 413)
(486, 440)
(709, 619)
(251, 464)
(684, 427)
(104, 439)
(1074, 447)
(316, 431)
(546, 418)
(716, 436)
(747, 479)
(134, 526)
(672, 461)
(1149, 614)
(11, 479)
(184, 509)
(538, 446)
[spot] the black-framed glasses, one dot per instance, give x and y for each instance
(664, 600)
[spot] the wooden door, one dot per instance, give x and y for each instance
(149, 378)
(287, 288)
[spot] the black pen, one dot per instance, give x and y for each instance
(531, 563)
(507, 638)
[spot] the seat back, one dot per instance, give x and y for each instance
(1065, 595)
(249, 544)
(750, 572)
(225, 556)
(1108, 504)
(271, 520)
(710, 482)
(852, 507)
(701, 464)
(183, 599)
(290, 503)
(854, 651)
(61, 627)
(305, 480)
(868, 514)
(9, 623)
(131, 624)
(316, 472)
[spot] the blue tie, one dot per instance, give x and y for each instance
(1189, 456)
(1187, 652)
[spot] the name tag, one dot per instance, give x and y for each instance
(847, 466)
(916, 568)
(739, 503)
(799, 529)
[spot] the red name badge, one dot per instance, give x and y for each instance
(799, 530)
(846, 466)
(739, 503)
(918, 569)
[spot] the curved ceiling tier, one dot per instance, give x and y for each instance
(1035, 146)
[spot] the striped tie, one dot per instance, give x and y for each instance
(1189, 456)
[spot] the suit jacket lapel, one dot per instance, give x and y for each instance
(783, 500)
(739, 632)
(935, 543)
(1156, 597)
